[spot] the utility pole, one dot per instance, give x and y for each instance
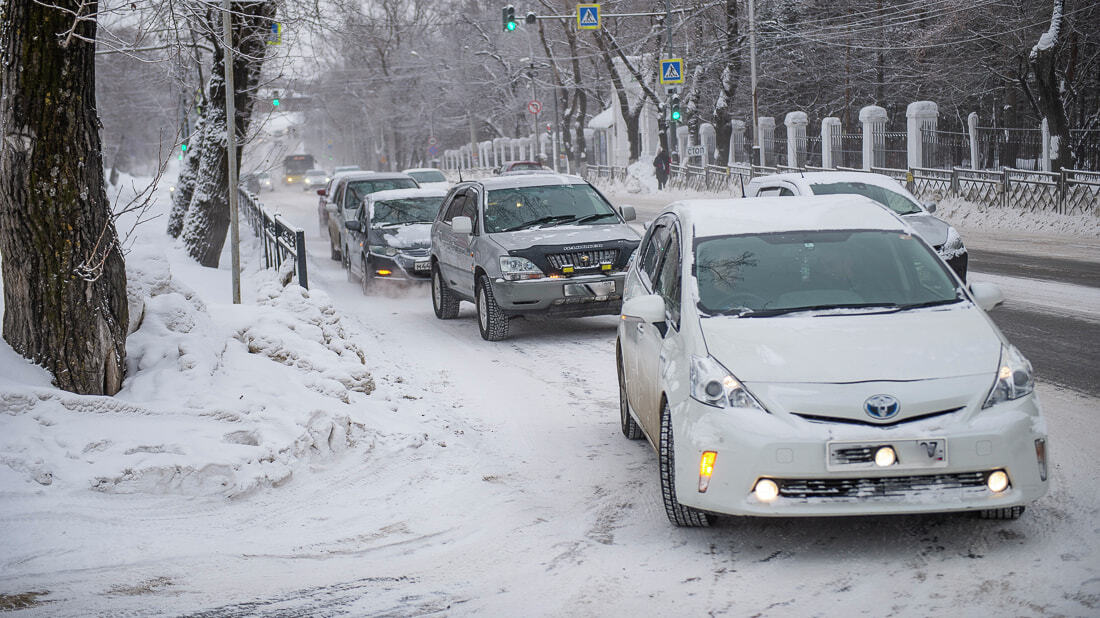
(231, 138)
(668, 53)
(756, 150)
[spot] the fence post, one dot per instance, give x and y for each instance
(954, 181)
(709, 139)
(300, 246)
(830, 128)
(737, 141)
(919, 115)
(1045, 155)
(972, 127)
(796, 138)
(1005, 186)
(873, 119)
(766, 127)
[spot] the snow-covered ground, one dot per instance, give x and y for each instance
(324, 453)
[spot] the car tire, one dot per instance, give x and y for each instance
(345, 259)
(1008, 512)
(347, 269)
(444, 300)
(630, 427)
(334, 252)
(365, 280)
(491, 320)
(678, 514)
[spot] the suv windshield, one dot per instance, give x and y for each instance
(428, 176)
(891, 199)
(358, 189)
(523, 207)
(408, 210)
(772, 274)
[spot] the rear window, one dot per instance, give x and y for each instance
(894, 200)
(359, 189)
(428, 176)
(407, 210)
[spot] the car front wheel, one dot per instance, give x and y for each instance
(677, 513)
(365, 279)
(491, 320)
(444, 301)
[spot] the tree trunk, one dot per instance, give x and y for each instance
(208, 215)
(64, 277)
(732, 71)
(1043, 62)
(185, 183)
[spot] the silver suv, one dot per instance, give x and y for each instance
(539, 245)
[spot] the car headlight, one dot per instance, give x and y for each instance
(714, 385)
(515, 268)
(383, 250)
(1014, 377)
(953, 246)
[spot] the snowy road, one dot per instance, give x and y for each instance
(492, 479)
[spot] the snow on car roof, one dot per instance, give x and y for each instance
(761, 215)
(374, 175)
(421, 169)
(401, 194)
(530, 180)
(813, 178)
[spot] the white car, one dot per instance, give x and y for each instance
(943, 237)
(808, 356)
(428, 177)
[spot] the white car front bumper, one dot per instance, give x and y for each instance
(794, 452)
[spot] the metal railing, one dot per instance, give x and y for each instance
(281, 241)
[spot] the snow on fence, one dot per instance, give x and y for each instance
(281, 241)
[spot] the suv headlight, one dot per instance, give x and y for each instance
(714, 385)
(1014, 378)
(383, 250)
(515, 268)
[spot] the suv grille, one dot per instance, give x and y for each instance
(582, 260)
(887, 487)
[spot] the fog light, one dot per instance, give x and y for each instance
(885, 456)
(383, 273)
(1041, 456)
(997, 481)
(766, 490)
(706, 468)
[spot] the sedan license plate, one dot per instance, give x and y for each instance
(422, 266)
(599, 289)
(909, 454)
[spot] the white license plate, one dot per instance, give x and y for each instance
(919, 453)
(422, 266)
(596, 288)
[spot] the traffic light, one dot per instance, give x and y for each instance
(675, 105)
(275, 102)
(531, 17)
(508, 15)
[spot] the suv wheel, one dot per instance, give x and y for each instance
(626, 421)
(334, 251)
(444, 301)
(365, 280)
(677, 513)
(1008, 512)
(491, 320)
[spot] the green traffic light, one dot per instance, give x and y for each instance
(675, 114)
(183, 147)
(511, 26)
(275, 102)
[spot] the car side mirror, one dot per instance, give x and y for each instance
(462, 225)
(929, 206)
(648, 309)
(353, 225)
(332, 208)
(321, 192)
(986, 295)
(628, 213)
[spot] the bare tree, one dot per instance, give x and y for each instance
(64, 277)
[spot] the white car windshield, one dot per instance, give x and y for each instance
(528, 207)
(774, 274)
(406, 211)
(893, 200)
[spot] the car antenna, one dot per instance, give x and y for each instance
(742, 179)
(460, 175)
(802, 172)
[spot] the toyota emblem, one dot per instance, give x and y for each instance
(881, 407)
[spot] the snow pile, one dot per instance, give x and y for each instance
(971, 215)
(218, 399)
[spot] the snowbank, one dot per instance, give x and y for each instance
(973, 216)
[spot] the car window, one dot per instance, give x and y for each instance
(428, 176)
(768, 192)
(517, 208)
(894, 200)
(652, 248)
(403, 211)
(358, 189)
(339, 197)
(782, 272)
(669, 278)
(469, 207)
(785, 192)
(454, 208)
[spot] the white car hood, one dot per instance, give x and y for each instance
(411, 236)
(912, 345)
(564, 235)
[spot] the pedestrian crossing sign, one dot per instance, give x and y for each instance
(588, 16)
(672, 71)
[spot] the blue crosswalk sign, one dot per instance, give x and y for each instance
(588, 16)
(672, 71)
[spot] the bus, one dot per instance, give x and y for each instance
(295, 167)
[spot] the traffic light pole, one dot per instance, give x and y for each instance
(668, 51)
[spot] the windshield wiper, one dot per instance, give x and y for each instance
(931, 303)
(539, 221)
(599, 215)
(767, 313)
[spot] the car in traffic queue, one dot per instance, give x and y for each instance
(429, 177)
(346, 168)
(547, 245)
(812, 356)
(348, 198)
(943, 237)
(325, 196)
(315, 178)
(390, 237)
(523, 167)
(265, 181)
